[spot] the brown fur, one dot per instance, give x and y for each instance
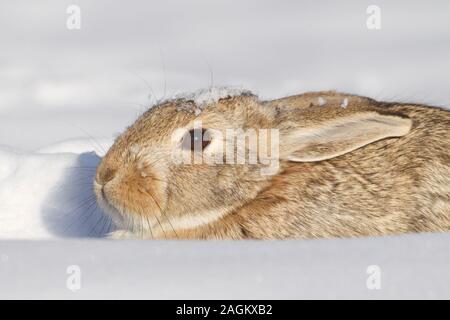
(391, 186)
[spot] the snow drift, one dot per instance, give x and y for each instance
(49, 195)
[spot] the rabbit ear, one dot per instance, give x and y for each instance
(339, 136)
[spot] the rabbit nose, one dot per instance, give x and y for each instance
(106, 175)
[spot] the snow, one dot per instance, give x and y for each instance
(49, 195)
(411, 267)
(203, 97)
(321, 101)
(207, 96)
(79, 145)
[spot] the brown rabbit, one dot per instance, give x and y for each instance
(348, 166)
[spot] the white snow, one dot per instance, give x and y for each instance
(411, 267)
(203, 97)
(79, 145)
(207, 96)
(49, 195)
(321, 101)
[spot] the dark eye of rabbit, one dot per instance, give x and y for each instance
(196, 139)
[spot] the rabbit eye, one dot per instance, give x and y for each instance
(196, 138)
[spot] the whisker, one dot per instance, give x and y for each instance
(89, 215)
(83, 202)
(142, 228)
(96, 224)
(129, 224)
(159, 222)
(109, 225)
(164, 74)
(90, 136)
(89, 203)
(105, 219)
(88, 177)
(149, 227)
(162, 212)
(211, 73)
(152, 92)
(83, 183)
(77, 167)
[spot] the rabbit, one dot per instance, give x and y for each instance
(349, 166)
